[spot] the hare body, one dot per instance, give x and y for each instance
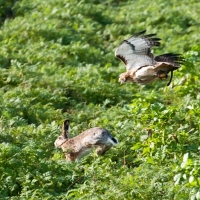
(82, 144)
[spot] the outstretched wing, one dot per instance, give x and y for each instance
(135, 52)
(169, 61)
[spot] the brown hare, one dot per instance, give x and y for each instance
(79, 146)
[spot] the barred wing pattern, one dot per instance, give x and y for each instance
(173, 60)
(168, 62)
(142, 66)
(135, 52)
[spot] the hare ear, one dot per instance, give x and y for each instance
(66, 124)
(65, 128)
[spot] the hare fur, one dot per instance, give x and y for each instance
(79, 146)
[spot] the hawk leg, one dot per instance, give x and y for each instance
(162, 75)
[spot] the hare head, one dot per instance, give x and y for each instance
(65, 134)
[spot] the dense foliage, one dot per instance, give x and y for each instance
(57, 61)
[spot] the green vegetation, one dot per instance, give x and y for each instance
(57, 61)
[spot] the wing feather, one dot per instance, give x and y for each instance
(168, 63)
(170, 59)
(135, 52)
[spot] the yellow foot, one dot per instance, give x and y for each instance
(162, 75)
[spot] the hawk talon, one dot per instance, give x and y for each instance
(142, 66)
(162, 75)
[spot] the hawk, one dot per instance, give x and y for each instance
(142, 66)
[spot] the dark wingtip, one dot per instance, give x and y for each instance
(170, 57)
(153, 41)
(140, 33)
(150, 35)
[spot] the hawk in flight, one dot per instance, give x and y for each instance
(141, 65)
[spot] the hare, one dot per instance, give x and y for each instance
(82, 144)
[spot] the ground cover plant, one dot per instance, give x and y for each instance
(57, 61)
